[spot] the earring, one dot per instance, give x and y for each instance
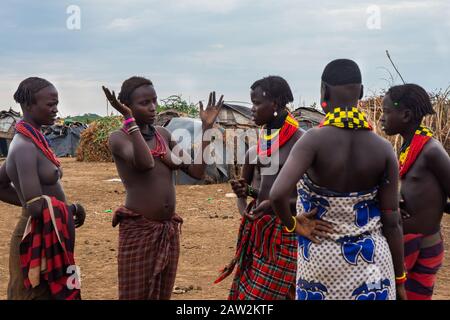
(275, 114)
(324, 104)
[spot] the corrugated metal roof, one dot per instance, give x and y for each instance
(245, 111)
(8, 119)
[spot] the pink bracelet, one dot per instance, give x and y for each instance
(128, 121)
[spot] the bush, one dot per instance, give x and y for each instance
(93, 145)
(175, 102)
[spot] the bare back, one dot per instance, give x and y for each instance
(348, 160)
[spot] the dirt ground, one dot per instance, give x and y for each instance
(208, 236)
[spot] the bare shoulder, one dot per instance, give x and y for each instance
(309, 140)
(118, 134)
(313, 133)
(382, 147)
(166, 134)
(163, 131)
(383, 142)
(299, 133)
(434, 150)
(21, 145)
(117, 137)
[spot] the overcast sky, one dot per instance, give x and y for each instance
(190, 47)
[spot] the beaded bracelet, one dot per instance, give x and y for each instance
(132, 129)
(135, 130)
(251, 192)
(127, 121)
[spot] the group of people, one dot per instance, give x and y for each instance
(340, 218)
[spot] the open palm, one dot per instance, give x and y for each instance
(120, 107)
(209, 115)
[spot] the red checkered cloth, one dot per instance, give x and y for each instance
(148, 255)
(46, 251)
(266, 259)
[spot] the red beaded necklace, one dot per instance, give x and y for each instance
(38, 139)
(160, 149)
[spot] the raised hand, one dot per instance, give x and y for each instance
(312, 228)
(120, 107)
(209, 115)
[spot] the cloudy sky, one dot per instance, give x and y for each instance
(190, 47)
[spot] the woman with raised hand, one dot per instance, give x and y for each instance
(149, 243)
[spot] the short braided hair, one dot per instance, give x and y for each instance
(412, 97)
(25, 93)
(276, 88)
(128, 87)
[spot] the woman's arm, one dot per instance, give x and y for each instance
(390, 216)
(138, 155)
(299, 160)
(29, 181)
(438, 162)
(247, 174)
(8, 193)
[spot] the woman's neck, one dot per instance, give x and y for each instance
(408, 134)
(278, 121)
(341, 104)
(29, 120)
(147, 131)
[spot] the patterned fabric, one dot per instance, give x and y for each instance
(343, 118)
(266, 261)
(355, 263)
(270, 143)
(46, 251)
(410, 152)
(148, 255)
(423, 260)
(38, 139)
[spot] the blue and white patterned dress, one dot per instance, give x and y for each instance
(355, 263)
